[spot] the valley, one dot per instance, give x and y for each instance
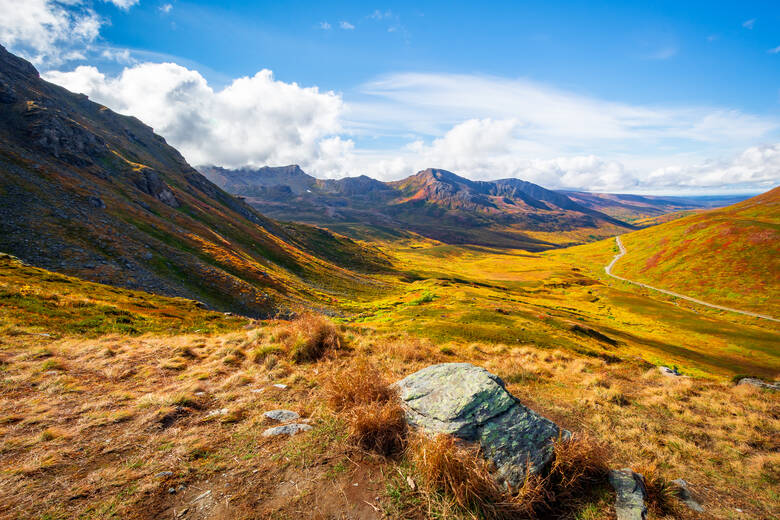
(227, 344)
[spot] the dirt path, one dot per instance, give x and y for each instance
(608, 270)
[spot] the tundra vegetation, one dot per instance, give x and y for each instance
(110, 399)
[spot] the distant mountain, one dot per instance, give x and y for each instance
(640, 209)
(91, 193)
(728, 256)
(433, 203)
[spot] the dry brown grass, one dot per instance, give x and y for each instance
(312, 336)
(452, 470)
(371, 406)
(720, 438)
(359, 384)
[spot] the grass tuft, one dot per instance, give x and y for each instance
(314, 336)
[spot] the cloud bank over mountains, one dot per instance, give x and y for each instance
(482, 127)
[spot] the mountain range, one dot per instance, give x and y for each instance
(92, 193)
(433, 203)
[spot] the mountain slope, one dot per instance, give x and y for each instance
(433, 203)
(91, 193)
(640, 209)
(728, 256)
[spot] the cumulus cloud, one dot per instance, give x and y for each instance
(488, 149)
(48, 32)
(527, 130)
(255, 120)
(346, 25)
(324, 26)
(166, 8)
(756, 167)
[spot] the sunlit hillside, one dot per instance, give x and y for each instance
(729, 256)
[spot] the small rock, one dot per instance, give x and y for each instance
(257, 390)
(183, 512)
(164, 474)
(200, 393)
(410, 482)
(760, 384)
(671, 372)
(280, 386)
(287, 429)
(685, 495)
(282, 415)
(630, 490)
(181, 487)
(214, 413)
(171, 491)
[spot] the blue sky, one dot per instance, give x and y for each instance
(613, 96)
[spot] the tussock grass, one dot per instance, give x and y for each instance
(313, 336)
(455, 475)
(371, 406)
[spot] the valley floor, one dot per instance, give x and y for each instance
(151, 407)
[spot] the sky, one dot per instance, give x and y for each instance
(669, 98)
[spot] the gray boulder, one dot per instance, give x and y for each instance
(287, 429)
(630, 490)
(752, 381)
(282, 415)
(471, 404)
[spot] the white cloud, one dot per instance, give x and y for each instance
(756, 167)
(324, 25)
(48, 32)
(122, 4)
(774, 50)
(482, 128)
(166, 8)
(346, 25)
(748, 24)
(255, 120)
(566, 122)
(118, 55)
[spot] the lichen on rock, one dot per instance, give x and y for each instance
(473, 405)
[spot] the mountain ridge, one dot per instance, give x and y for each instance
(99, 195)
(493, 213)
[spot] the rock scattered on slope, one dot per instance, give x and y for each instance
(671, 372)
(282, 415)
(684, 494)
(630, 489)
(287, 429)
(757, 382)
(472, 404)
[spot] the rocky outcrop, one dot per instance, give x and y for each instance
(752, 381)
(149, 181)
(471, 404)
(630, 490)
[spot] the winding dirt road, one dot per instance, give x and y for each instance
(608, 270)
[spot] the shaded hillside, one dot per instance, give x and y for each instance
(640, 209)
(88, 192)
(728, 256)
(434, 203)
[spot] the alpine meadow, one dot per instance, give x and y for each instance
(333, 260)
